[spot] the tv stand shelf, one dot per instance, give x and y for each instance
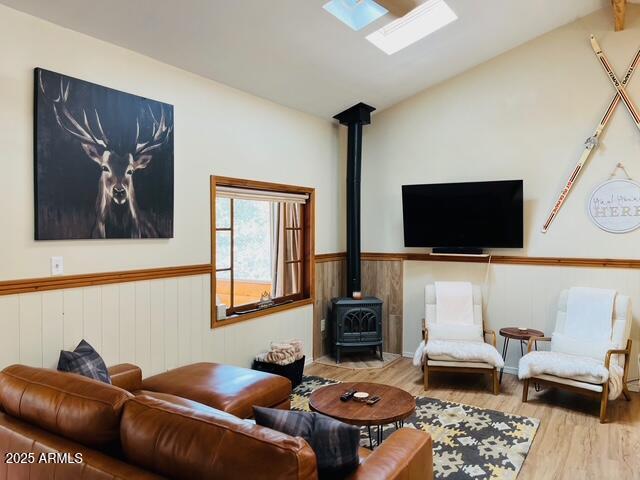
(480, 255)
(471, 251)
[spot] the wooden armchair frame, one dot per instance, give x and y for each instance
(492, 372)
(604, 395)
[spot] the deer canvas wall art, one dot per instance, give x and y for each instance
(103, 162)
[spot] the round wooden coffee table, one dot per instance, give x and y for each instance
(522, 336)
(395, 405)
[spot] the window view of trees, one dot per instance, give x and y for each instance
(252, 271)
(262, 243)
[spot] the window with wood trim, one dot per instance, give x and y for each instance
(262, 246)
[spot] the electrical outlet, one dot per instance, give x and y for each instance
(57, 266)
(323, 325)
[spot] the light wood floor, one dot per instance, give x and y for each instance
(570, 443)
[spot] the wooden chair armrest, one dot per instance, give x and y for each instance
(618, 351)
(425, 332)
(492, 333)
(533, 340)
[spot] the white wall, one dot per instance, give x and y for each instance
(218, 130)
(523, 115)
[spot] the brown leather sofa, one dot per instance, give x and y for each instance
(228, 388)
(47, 418)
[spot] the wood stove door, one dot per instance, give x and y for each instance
(361, 325)
(371, 325)
(351, 326)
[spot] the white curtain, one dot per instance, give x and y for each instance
(284, 248)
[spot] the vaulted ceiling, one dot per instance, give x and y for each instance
(294, 53)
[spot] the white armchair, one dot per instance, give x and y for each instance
(454, 347)
(597, 369)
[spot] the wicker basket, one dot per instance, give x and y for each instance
(293, 371)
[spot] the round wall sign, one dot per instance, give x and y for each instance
(614, 206)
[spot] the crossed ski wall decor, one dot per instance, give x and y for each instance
(592, 142)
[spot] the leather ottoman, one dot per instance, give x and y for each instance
(225, 387)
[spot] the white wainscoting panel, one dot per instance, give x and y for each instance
(157, 324)
(126, 318)
(72, 302)
(10, 338)
(52, 327)
(92, 316)
(516, 295)
(171, 323)
(110, 324)
(30, 329)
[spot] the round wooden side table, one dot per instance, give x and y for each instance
(395, 406)
(522, 336)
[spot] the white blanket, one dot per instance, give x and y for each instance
(454, 302)
(572, 367)
(589, 314)
(456, 350)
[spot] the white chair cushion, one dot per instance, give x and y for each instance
(573, 367)
(620, 330)
(430, 316)
(463, 351)
(622, 318)
(452, 331)
(567, 381)
(562, 343)
(449, 363)
(590, 313)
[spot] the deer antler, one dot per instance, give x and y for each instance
(68, 123)
(159, 134)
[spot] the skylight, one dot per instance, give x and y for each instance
(415, 25)
(355, 13)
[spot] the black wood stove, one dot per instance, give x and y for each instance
(356, 322)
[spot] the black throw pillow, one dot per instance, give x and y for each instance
(85, 361)
(335, 443)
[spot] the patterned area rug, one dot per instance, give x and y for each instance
(468, 442)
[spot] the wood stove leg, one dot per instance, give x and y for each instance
(381, 355)
(337, 355)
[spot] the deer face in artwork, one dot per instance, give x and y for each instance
(117, 172)
(117, 168)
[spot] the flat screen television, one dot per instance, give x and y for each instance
(471, 215)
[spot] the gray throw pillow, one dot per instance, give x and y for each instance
(84, 360)
(335, 443)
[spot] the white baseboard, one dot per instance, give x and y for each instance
(511, 370)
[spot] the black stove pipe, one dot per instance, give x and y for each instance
(354, 118)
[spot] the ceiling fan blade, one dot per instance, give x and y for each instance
(399, 8)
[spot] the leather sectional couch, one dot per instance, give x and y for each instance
(56, 425)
